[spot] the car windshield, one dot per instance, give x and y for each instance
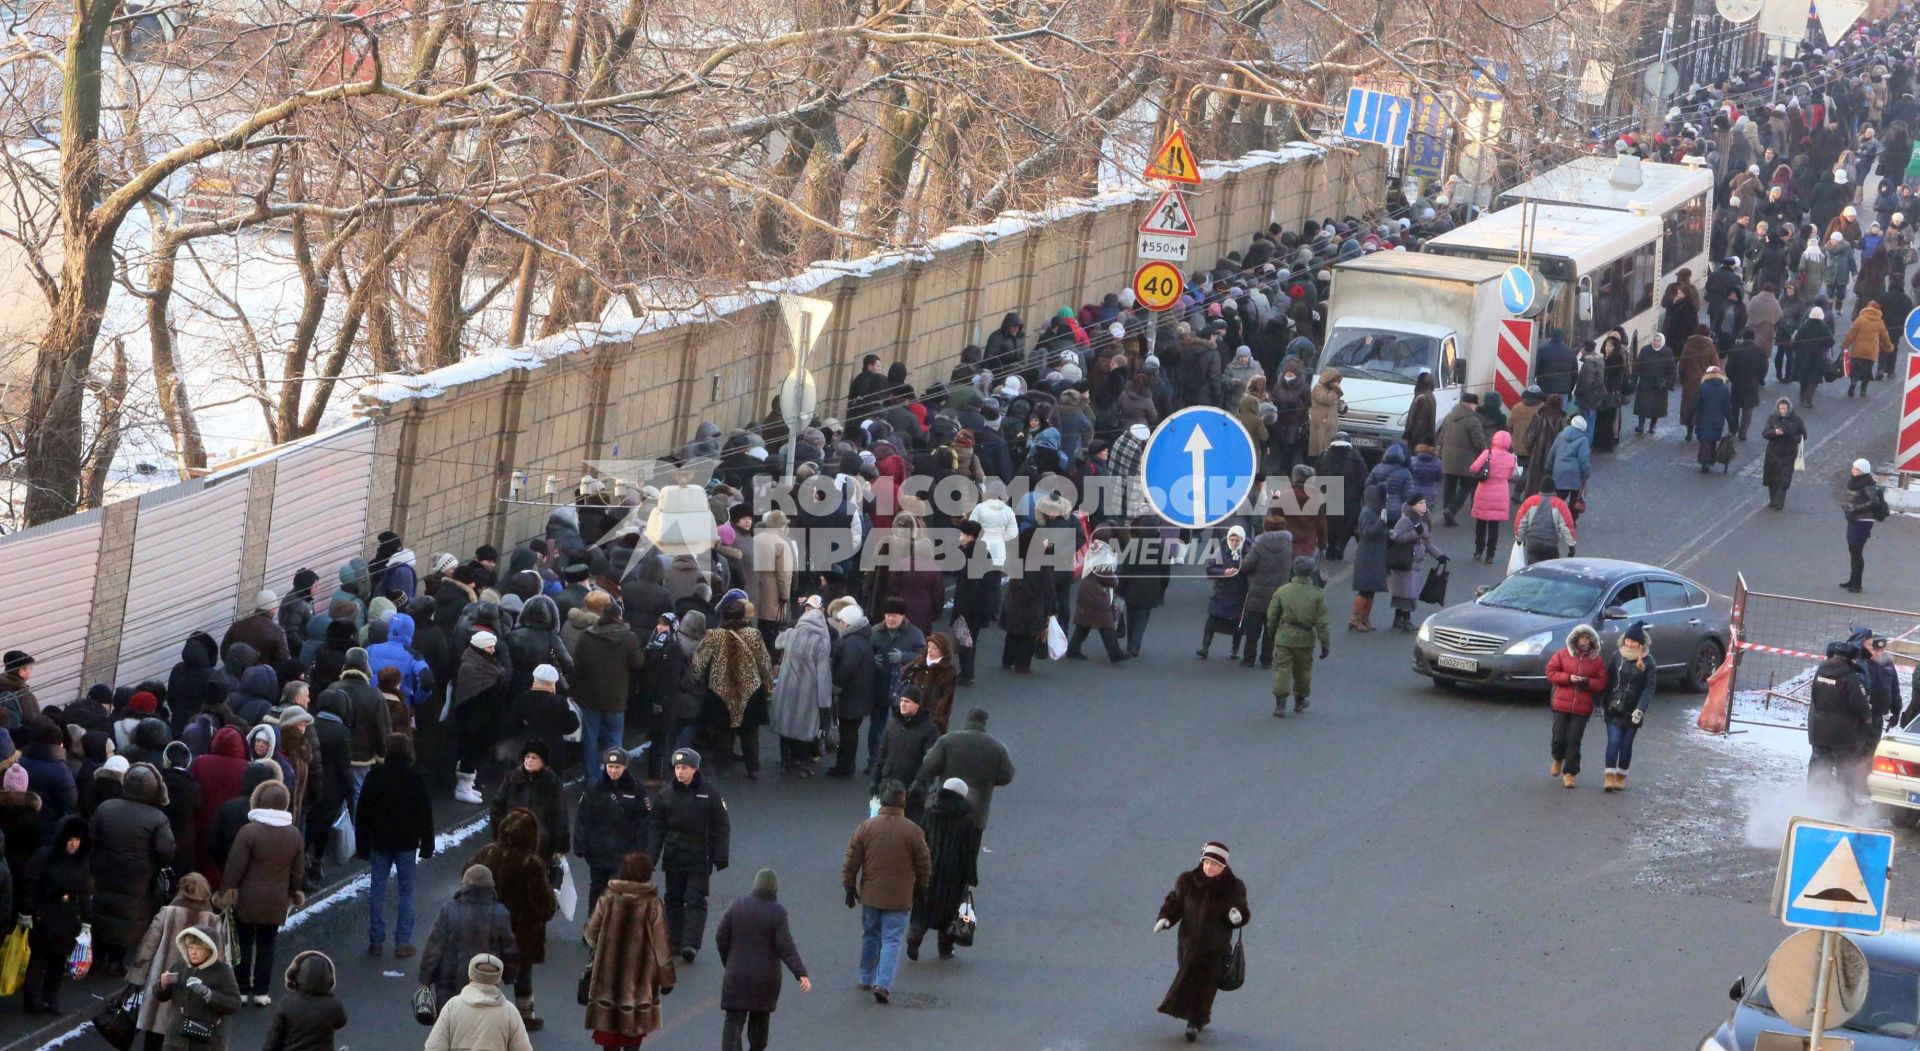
(1382, 354)
(1548, 594)
(1892, 1007)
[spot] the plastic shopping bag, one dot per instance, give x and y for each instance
(13, 962)
(340, 841)
(80, 960)
(1516, 559)
(1056, 640)
(568, 895)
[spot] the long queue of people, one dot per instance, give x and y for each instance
(174, 824)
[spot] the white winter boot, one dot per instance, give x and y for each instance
(464, 792)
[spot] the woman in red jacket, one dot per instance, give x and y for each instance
(1579, 679)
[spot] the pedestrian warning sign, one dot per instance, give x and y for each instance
(1169, 216)
(1174, 162)
(1833, 877)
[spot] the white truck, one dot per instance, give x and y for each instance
(1380, 349)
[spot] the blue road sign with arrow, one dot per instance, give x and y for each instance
(1375, 116)
(1198, 467)
(1518, 291)
(1913, 329)
(1833, 877)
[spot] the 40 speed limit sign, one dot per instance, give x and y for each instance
(1158, 285)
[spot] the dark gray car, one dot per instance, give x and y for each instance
(1508, 632)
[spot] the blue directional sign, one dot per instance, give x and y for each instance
(1834, 878)
(1487, 77)
(1913, 329)
(1375, 116)
(1518, 292)
(1198, 467)
(1427, 137)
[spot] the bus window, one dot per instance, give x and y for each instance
(1623, 288)
(1683, 233)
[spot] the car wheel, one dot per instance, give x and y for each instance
(1706, 658)
(1901, 817)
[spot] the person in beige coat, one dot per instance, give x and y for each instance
(1323, 413)
(771, 583)
(481, 1018)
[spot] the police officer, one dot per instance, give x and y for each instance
(614, 819)
(1840, 727)
(689, 838)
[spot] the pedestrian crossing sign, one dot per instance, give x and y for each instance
(1833, 877)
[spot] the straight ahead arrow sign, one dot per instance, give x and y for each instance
(1196, 447)
(1393, 122)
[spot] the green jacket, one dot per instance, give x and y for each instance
(1298, 612)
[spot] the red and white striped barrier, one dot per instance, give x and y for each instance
(1512, 359)
(1781, 650)
(1906, 457)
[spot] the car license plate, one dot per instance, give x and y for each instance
(1914, 798)
(1362, 441)
(1446, 660)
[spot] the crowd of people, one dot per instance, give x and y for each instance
(173, 825)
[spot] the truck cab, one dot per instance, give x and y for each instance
(1395, 315)
(1380, 359)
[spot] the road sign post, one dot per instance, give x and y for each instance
(1519, 291)
(1198, 467)
(1375, 116)
(1174, 161)
(1158, 285)
(1832, 878)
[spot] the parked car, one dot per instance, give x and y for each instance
(1888, 1021)
(1894, 781)
(1505, 636)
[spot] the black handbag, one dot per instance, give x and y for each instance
(423, 1007)
(586, 985)
(1486, 467)
(118, 1021)
(1723, 450)
(1434, 591)
(964, 924)
(1399, 555)
(197, 1031)
(1235, 974)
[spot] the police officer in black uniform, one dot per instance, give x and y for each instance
(1841, 726)
(614, 819)
(689, 840)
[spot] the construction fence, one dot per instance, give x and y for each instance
(109, 595)
(1778, 641)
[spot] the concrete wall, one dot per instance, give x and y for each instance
(434, 456)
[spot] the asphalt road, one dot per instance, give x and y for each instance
(1416, 878)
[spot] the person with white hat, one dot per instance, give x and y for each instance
(953, 845)
(479, 701)
(1209, 903)
(479, 1018)
(1864, 504)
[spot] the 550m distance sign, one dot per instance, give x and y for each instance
(1158, 285)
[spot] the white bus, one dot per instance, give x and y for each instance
(1679, 195)
(1601, 267)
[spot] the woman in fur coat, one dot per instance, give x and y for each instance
(1208, 902)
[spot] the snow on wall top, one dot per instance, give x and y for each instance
(494, 362)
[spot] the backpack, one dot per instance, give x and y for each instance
(10, 716)
(1541, 532)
